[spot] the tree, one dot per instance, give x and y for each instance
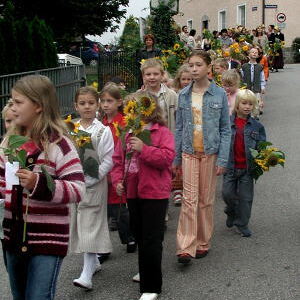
(162, 24)
(130, 39)
(72, 18)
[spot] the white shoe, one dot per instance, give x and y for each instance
(136, 278)
(149, 296)
(83, 284)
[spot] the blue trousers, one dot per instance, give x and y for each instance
(237, 191)
(32, 277)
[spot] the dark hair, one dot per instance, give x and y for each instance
(193, 32)
(117, 80)
(214, 32)
(184, 26)
(149, 36)
(224, 30)
(203, 54)
(87, 90)
(272, 26)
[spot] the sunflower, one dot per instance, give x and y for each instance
(237, 50)
(83, 140)
(235, 45)
(226, 53)
(130, 108)
(69, 123)
(245, 48)
(272, 160)
(176, 47)
(142, 61)
(148, 106)
(116, 126)
(76, 127)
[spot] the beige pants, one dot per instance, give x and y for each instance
(195, 225)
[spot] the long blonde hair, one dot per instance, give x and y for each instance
(183, 69)
(48, 126)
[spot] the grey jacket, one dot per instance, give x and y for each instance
(215, 124)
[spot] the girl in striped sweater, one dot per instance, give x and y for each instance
(36, 222)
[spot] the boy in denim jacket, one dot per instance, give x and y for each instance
(238, 186)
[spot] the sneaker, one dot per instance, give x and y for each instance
(177, 197)
(184, 258)
(229, 221)
(79, 282)
(136, 278)
(131, 247)
(201, 253)
(149, 296)
(246, 232)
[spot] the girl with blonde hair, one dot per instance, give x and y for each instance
(36, 222)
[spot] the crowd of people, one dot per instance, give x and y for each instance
(202, 125)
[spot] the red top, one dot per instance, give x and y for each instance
(117, 119)
(239, 144)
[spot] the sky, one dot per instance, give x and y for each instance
(135, 8)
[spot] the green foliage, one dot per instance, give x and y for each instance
(73, 18)
(296, 48)
(130, 39)
(162, 25)
(26, 44)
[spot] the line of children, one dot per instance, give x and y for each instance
(36, 221)
(89, 230)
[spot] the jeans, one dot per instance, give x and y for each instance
(33, 277)
(238, 190)
(147, 220)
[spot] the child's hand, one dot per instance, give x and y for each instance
(220, 170)
(27, 179)
(136, 144)
(120, 189)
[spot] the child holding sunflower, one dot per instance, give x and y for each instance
(238, 183)
(145, 178)
(89, 228)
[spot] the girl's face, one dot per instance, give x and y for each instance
(152, 77)
(219, 70)
(87, 106)
(149, 42)
(109, 104)
(185, 79)
(244, 108)
(229, 88)
(198, 67)
(9, 118)
(25, 111)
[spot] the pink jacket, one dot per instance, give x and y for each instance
(149, 174)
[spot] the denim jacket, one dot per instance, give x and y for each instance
(254, 132)
(215, 124)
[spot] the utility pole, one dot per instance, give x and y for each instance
(263, 11)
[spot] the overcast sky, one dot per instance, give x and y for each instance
(135, 8)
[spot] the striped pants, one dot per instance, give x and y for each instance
(195, 225)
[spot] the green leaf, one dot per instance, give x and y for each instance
(50, 180)
(21, 157)
(145, 136)
(254, 153)
(16, 141)
(91, 167)
(263, 145)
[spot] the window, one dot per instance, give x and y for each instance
(190, 24)
(222, 19)
(241, 15)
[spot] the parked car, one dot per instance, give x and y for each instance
(88, 55)
(67, 59)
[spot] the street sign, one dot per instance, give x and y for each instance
(281, 18)
(271, 6)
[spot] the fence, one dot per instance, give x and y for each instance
(119, 64)
(66, 79)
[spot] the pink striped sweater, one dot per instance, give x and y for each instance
(48, 214)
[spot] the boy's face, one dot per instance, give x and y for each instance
(198, 68)
(219, 70)
(87, 106)
(244, 108)
(152, 77)
(229, 88)
(253, 53)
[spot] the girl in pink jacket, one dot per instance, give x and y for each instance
(147, 186)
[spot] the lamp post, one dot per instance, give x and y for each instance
(263, 11)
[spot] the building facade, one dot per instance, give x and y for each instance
(218, 14)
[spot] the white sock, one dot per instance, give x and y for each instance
(89, 265)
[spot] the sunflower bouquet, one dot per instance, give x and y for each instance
(238, 51)
(83, 141)
(136, 111)
(264, 158)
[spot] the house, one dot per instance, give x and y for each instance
(218, 14)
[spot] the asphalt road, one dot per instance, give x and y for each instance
(265, 266)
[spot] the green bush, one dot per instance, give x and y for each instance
(296, 48)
